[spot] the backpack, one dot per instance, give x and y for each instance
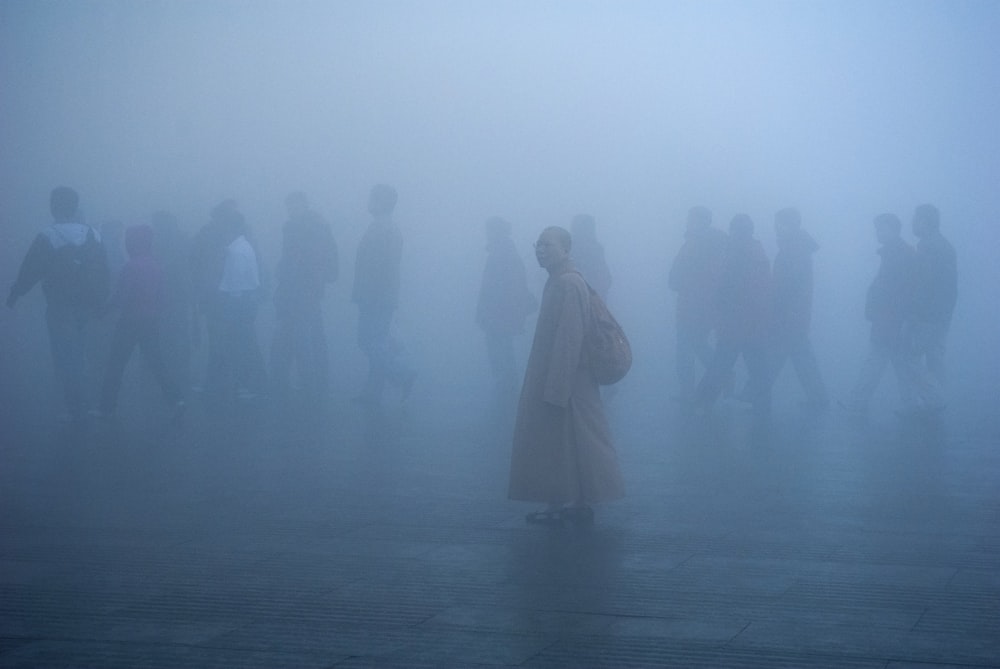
(79, 275)
(607, 348)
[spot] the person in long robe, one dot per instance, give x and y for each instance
(563, 454)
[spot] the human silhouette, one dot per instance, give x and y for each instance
(888, 305)
(376, 292)
(588, 254)
(171, 249)
(308, 263)
(791, 305)
(139, 295)
(694, 276)
(743, 304)
(67, 258)
(503, 305)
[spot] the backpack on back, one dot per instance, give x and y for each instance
(608, 350)
(79, 275)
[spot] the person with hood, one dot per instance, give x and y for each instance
(743, 306)
(888, 306)
(70, 262)
(503, 305)
(791, 305)
(139, 296)
(563, 454)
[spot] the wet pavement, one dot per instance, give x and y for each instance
(277, 538)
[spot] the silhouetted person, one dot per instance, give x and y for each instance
(888, 305)
(171, 248)
(308, 262)
(504, 304)
(743, 304)
(935, 292)
(235, 365)
(588, 254)
(563, 454)
(694, 276)
(791, 305)
(69, 261)
(139, 295)
(113, 240)
(376, 292)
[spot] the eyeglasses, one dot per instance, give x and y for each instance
(542, 245)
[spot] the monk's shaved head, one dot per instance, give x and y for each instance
(560, 236)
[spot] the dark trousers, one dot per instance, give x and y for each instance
(67, 325)
(234, 358)
(727, 351)
(385, 362)
(132, 332)
(300, 339)
(797, 348)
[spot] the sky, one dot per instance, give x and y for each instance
(536, 111)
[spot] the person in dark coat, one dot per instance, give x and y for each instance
(791, 305)
(503, 305)
(139, 296)
(694, 276)
(743, 304)
(68, 259)
(935, 293)
(308, 263)
(888, 306)
(376, 292)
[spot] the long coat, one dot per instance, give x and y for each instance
(563, 451)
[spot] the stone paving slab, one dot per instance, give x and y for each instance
(386, 541)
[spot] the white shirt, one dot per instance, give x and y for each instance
(240, 274)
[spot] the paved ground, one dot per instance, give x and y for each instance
(360, 541)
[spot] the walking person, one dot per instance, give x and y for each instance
(67, 258)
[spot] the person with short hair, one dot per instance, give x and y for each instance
(69, 260)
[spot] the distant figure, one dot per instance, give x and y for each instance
(139, 295)
(171, 249)
(743, 301)
(113, 240)
(935, 293)
(235, 366)
(694, 276)
(588, 254)
(504, 304)
(308, 262)
(888, 306)
(69, 261)
(791, 305)
(376, 292)
(563, 453)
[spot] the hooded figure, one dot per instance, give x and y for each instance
(139, 296)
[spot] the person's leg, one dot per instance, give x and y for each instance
(868, 378)
(757, 356)
(149, 344)
(719, 371)
(282, 348)
(67, 344)
(807, 371)
(123, 340)
(317, 354)
(373, 340)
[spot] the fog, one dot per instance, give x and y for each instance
(631, 111)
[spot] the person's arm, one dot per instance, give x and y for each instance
(33, 268)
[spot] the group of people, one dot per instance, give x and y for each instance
(731, 302)
(727, 287)
(169, 289)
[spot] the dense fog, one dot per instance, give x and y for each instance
(631, 111)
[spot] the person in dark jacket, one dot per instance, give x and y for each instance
(376, 292)
(935, 292)
(888, 307)
(503, 305)
(694, 276)
(742, 301)
(139, 296)
(69, 261)
(308, 263)
(791, 305)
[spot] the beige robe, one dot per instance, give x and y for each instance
(563, 451)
